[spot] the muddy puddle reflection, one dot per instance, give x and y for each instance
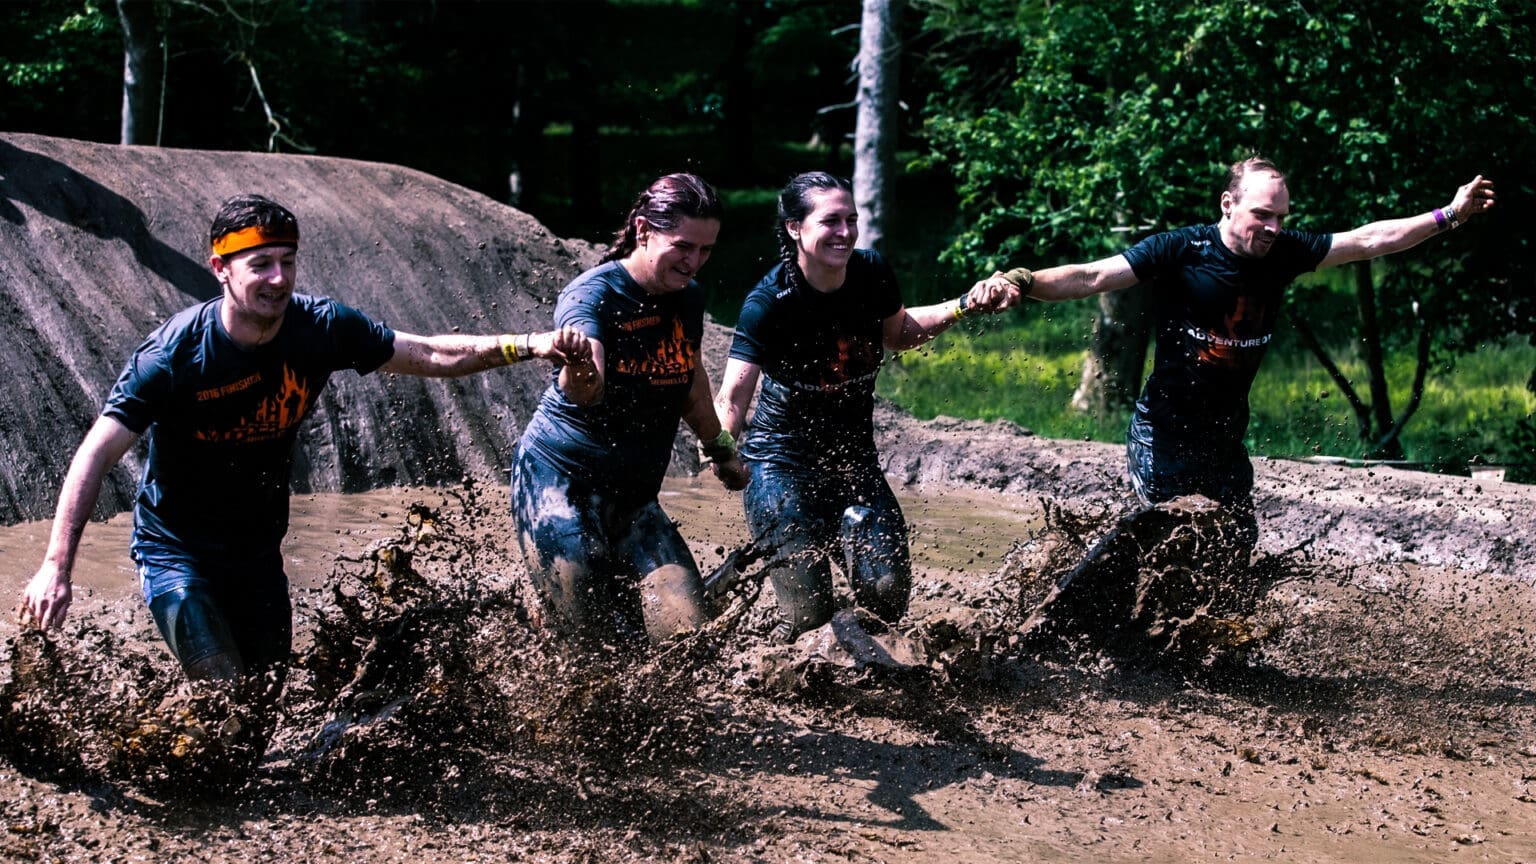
(952, 530)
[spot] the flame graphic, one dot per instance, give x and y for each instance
(672, 357)
(275, 416)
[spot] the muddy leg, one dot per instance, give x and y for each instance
(560, 530)
(671, 591)
(785, 514)
(877, 561)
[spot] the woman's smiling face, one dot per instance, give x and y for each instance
(827, 235)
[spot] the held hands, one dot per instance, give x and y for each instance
(46, 599)
(731, 473)
(1006, 290)
(565, 347)
(1473, 198)
(990, 295)
(720, 454)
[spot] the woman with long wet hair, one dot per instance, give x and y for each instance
(608, 564)
(815, 331)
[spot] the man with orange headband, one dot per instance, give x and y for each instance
(221, 388)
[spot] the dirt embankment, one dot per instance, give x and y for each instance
(102, 243)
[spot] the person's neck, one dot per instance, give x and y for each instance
(822, 278)
(641, 270)
(246, 331)
(1223, 230)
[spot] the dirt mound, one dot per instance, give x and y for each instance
(105, 242)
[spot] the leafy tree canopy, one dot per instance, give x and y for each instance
(1120, 116)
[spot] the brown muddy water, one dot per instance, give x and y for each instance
(951, 530)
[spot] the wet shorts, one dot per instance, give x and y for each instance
(245, 614)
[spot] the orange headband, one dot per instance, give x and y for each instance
(250, 238)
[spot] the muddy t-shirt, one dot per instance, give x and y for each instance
(1215, 315)
(222, 419)
(650, 346)
(820, 353)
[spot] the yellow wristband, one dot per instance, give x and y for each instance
(509, 349)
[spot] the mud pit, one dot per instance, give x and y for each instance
(1385, 715)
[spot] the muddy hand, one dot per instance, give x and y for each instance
(46, 599)
(565, 346)
(991, 295)
(1473, 198)
(996, 285)
(731, 473)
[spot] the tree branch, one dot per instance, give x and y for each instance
(1362, 410)
(1420, 372)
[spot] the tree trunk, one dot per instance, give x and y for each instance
(138, 21)
(1370, 339)
(1117, 356)
(874, 144)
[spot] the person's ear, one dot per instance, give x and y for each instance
(219, 266)
(642, 230)
(794, 230)
(1226, 204)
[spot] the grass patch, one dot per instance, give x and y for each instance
(1025, 368)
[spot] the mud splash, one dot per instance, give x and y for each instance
(427, 711)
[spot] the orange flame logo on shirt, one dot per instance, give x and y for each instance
(671, 358)
(274, 416)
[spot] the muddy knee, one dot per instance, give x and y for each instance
(803, 588)
(671, 599)
(876, 560)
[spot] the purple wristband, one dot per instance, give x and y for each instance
(1440, 222)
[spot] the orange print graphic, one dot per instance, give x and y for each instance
(274, 417)
(1226, 348)
(855, 361)
(668, 363)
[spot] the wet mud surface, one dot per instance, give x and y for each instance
(1378, 710)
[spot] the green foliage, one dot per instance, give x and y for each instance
(1119, 117)
(1026, 368)
(48, 50)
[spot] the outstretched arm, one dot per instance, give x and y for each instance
(909, 328)
(46, 599)
(1067, 282)
(450, 355)
(1394, 235)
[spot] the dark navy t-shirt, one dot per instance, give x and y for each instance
(820, 353)
(1215, 315)
(650, 347)
(222, 420)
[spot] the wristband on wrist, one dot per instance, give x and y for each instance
(515, 348)
(962, 305)
(508, 344)
(718, 449)
(1446, 219)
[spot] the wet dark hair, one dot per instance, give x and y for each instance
(251, 210)
(665, 204)
(1242, 168)
(794, 206)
